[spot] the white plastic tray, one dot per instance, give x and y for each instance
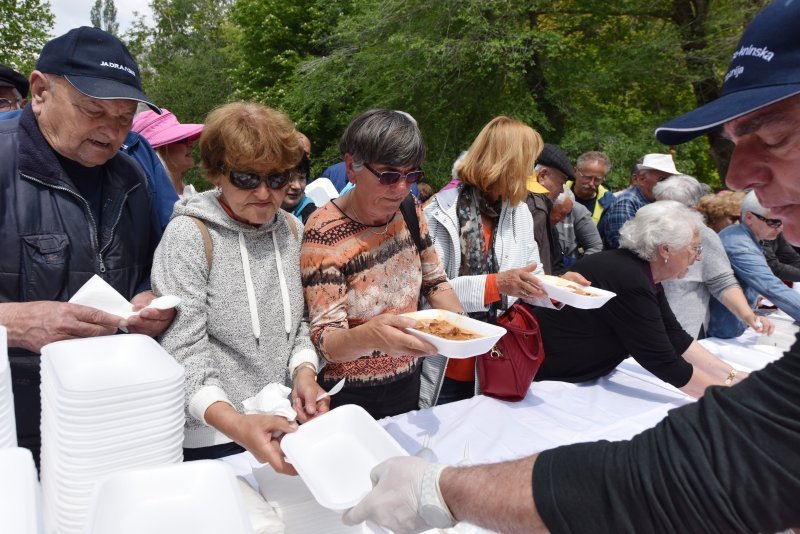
(562, 290)
(335, 452)
(453, 348)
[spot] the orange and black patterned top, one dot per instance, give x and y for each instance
(352, 272)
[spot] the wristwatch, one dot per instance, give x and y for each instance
(432, 508)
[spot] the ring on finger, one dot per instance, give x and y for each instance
(523, 293)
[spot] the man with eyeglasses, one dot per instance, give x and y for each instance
(591, 170)
(13, 90)
(742, 243)
(653, 169)
(72, 206)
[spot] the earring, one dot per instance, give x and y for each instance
(665, 260)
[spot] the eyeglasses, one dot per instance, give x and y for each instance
(593, 179)
(392, 177)
(251, 180)
(698, 249)
(772, 223)
(9, 103)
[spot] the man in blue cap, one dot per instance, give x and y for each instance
(13, 90)
(727, 463)
(71, 206)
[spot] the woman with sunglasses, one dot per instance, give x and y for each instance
(232, 256)
(361, 269)
(483, 231)
(173, 143)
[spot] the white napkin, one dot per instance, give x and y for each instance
(98, 294)
(272, 400)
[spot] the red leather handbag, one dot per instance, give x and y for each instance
(506, 371)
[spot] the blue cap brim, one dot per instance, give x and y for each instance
(724, 109)
(105, 89)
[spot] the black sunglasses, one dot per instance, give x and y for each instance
(251, 180)
(772, 223)
(392, 177)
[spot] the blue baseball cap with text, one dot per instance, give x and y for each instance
(763, 70)
(96, 63)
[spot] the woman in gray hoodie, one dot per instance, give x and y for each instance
(232, 255)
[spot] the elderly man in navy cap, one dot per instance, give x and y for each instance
(72, 206)
(727, 463)
(13, 89)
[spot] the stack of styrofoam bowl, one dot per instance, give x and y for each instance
(20, 493)
(108, 404)
(191, 498)
(8, 430)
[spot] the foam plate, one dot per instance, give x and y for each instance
(564, 291)
(335, 452)
(454, 348)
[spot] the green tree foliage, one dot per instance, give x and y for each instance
(184, 59)
(273, 36)
(104, 16)
(587, 74)
(25, 27)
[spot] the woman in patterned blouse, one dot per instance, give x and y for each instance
(361, 269)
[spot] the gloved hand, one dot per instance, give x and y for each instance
(405, 497)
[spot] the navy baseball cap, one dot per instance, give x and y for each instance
(11, 78)
(96, 63)
(763, 70)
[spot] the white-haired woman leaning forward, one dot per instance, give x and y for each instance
(690, 295)
(659, 244)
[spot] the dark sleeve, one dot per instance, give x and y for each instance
(679, 338)
(782, 258)
(727, 463)
(637, 318)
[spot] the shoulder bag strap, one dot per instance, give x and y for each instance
(207, 244)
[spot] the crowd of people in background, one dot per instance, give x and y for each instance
(277, 286)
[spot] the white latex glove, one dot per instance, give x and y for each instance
(405, 497)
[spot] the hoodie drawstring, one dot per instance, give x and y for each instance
(248, 282)
(287, 310)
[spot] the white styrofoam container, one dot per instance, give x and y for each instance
(335, 452)
(458, 348)
(559, 289)
(192, 497)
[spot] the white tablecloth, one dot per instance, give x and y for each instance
(481, 429)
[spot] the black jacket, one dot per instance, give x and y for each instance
(51, 243)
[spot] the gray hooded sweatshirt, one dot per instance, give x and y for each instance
(239, 325)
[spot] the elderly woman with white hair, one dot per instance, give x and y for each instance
(689, 296)
(660, 243)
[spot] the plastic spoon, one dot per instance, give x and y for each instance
(334, 390)
(164, 302)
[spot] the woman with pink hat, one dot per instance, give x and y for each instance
(173, 142)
